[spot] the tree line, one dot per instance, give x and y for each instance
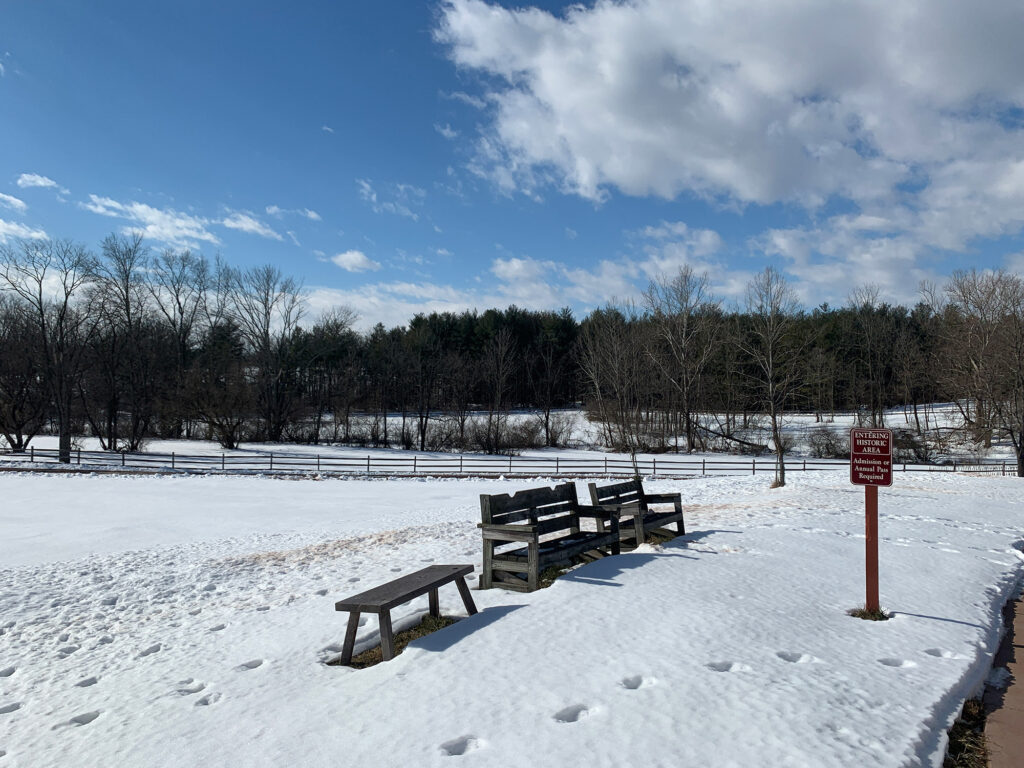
(131, 344)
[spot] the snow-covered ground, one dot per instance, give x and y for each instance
(179, 621)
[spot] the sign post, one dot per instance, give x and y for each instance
(871, 466)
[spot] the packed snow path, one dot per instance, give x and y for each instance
(184, 621)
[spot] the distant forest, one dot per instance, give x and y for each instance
(131, 344)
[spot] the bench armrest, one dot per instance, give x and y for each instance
(662, 498)
(508, 532)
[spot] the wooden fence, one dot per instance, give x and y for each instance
(460, 465)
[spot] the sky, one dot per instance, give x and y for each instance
(401, 157)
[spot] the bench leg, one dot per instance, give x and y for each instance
(467, 598)
(533, 563)
(681, 525)
(387, 638)
(435, 608)
(638, 528)
(486, 578)
(350, 637)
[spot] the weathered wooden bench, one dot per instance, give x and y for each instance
(382, 599)
(632, 500)
(527, 531)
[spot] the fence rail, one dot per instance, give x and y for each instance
(464, 465)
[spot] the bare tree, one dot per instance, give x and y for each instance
(686, 327)
(23, 396)
(987, 329)
(770, 343)
(49, 276)
(267, 307)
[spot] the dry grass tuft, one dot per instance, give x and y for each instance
(374, 655)
(864, 613)
(967, 738)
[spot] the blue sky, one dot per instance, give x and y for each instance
(403, 156)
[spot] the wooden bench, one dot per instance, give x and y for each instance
(630, 496)
(382, 599)
(527, 531)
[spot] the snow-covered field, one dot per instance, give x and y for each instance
(179, 621)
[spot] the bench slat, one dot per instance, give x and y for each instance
(401, 590)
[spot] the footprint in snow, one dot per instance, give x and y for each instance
(109, 600)
(263, 608)
(195, 611)
(250, 665)
(79, 720)
(217, 628)
(572, 713)
(88, 682)
(7, 671)
(353, 579)
(8, 708)
(727, 666)
(798, 658)
(67, 650)
(151, 650)
(941, 653)
(637, 681)
(321, 592)
(63, 637)
(396, 570)
(208, 699)
(189, 686)
(898, 663)
(105, 640)
(461, 746)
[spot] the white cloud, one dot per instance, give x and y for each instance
(571, 234)
(293, 237)
(2, 70)
(8, 201)
(279, 212)
(243, 221)
(355, 261)
(163, 224)
(908, 111)
(399, 198)
(326, 129)
(26, 180)
(14, 229)
(446, 130)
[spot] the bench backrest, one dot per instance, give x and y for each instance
(553, 509)
(627, 492)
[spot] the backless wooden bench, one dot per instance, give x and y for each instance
(382, 599)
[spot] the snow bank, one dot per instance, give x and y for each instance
(184, 621)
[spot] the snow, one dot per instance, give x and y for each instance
(169, 621)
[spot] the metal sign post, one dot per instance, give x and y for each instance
(871, 466)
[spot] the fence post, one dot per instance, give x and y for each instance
(510, 463)
(606, 465)
(222, 462)
(172, 459)
(753, 466)
(79, 455)
(123, 454)
(32, 455)
(703, 467)
(460, 463)
(556, 465)
(654, 466)
(805, 465)
(367, 464)
(318, 462)
(271, 461)
(414, 463)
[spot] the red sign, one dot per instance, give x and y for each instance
(871, 456)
